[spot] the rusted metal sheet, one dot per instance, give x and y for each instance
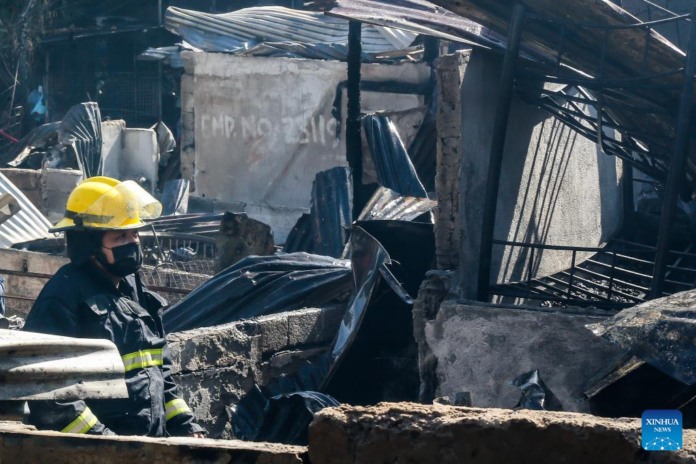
(46, 367)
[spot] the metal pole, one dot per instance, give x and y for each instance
(353, 128)
(160, 20)
(497, 148)
(431, 52)
(677, 165)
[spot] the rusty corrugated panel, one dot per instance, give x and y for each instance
(230, 32)
(28, 224)
(46, 367)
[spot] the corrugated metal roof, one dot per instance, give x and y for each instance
(37, 366)
(419, 17)
(394, 166)
(241, 29)
(28, 224)
(386, 204)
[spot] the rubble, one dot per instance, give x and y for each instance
(447, 229)
(406, 432)
(21, 443)
(239, 237)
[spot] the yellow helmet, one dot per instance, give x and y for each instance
(103, 203)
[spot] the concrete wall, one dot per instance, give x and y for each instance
(130, 154)
(56, 187)
(112, 147)
(24, 444)
(480, 348)
(556, 187)
(256, 131)
(450, 76)
(418, 434)
(47, 189)
(27, 288)
(216, 366)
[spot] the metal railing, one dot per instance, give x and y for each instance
(659, 151)
(616, 276)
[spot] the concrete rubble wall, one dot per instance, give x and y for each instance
(25, 286)
(23, 444)
(556, 186)
(413, 433)
(479, 348)
(47, 189)
(450, 76)
(216, 366)
(130, 154)
(256, 131)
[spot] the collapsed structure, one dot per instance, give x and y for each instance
(447, 228)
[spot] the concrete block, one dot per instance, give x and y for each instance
(57, 184)
(216, 366)
(60, 180)
(272, 332)
(24, 179)
(480, 348)
(559, 188)
(140, 156)
(29, 182)
(112, 147)
(26, 287)
(23, 444)
(419, 434)
(264, 127)
(307, 326)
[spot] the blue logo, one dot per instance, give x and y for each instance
(662, 430)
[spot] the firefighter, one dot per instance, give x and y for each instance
(99, 295)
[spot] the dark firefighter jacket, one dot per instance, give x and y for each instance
(79, 301)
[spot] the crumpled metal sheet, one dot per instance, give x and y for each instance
(332, 210)
(419, 17)
(284, 418)
(81, 130)
(423, 151)
(242, 29)
(386, 204)
(368, 256)
(36, 138)
(27, 224)
(324, 231)
(46, 367)
(660, 332)
(175, 198)
(261, 285)
(394, 167)
(300, 237)
(535, 394)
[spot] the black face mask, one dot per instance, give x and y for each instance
(127, 259)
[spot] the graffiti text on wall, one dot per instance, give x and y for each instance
(318, 130)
